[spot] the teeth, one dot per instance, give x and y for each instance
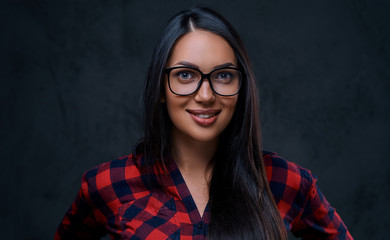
(205, 115)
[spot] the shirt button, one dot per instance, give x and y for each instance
(200, 225)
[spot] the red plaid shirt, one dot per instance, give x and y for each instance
(115, 198)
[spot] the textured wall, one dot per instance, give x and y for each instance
(72, 74)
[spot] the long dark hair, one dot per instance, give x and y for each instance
(240, 201)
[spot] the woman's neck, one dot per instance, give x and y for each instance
(191, 156)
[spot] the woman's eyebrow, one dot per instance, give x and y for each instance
(228, 64)
(188, 64)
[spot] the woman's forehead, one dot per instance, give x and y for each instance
(202, 48)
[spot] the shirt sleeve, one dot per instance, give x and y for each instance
(319, 220)
(79, 221)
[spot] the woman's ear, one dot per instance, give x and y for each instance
(162, 99)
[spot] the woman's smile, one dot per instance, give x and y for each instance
(204, 117)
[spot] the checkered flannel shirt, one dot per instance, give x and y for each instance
(115, 198)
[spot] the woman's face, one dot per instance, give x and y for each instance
(203, 115)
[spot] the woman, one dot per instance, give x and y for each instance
(199, 171)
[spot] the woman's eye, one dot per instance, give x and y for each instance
(224, 75)
(183, 75)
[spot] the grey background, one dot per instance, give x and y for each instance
(71, 80)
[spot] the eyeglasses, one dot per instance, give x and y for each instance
(185, 81)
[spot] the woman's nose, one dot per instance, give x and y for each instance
(205, 93)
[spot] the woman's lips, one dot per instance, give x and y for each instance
(204, 117)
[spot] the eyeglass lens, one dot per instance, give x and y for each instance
(185, 81)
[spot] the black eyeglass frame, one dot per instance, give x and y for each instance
(203, 76)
